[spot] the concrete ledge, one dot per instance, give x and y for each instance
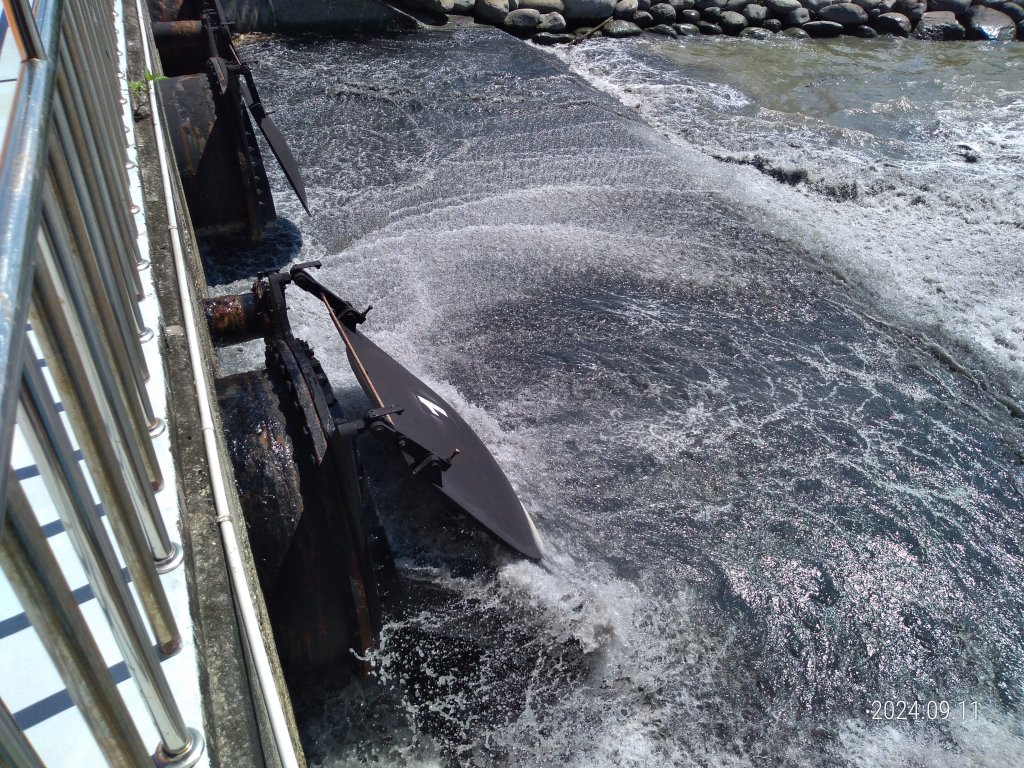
(235, 725)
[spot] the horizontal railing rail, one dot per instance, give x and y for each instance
(70, 291)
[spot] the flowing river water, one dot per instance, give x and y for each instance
(743, 323)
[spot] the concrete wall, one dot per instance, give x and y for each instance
(313, 16)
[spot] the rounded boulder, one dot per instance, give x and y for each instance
(624, 9)
(847, 14)
(823, 29)
(553, 38)
(588, 9)
(939, 25)
(955, 7)
(663, 13)
(796, 18)
(620, 28)
(893, 24)
(755, 14)
(732, 23)
(544, 6)
(1014, 10)
(989, 24)
(815, 6)
(781, 7)
(491, 11)
(552, 22)
(523, 19)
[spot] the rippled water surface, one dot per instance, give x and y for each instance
(743, 324)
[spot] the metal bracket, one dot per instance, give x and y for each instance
(344, 310)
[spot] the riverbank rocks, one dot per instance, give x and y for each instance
(912, 9)
(939, 25)
(989, 24)
(926, 20)
(663, 13)
(491, 11)
(870, 6)
(796, 18)
(524, 19)
(1014, 10)
(780, 8)
(847, 14)
(732, 23)
(552, 38)
(624, 9)
(893, 24)
(544, 6)
(755, 14)
(588, 9)
(435, 6)
(552, 22)
(823, 29)
(815, 6)
(956, 7)
(620, 28)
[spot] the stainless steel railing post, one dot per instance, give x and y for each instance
(15, 749)
(70, 493)
(96, 419)
(82, 133)
(93, 109)
(104, 300)
(23, 154)
(102, 47)
(40, 586)
(23, 25)
(133, 443)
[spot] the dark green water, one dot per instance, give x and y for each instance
(689, 295)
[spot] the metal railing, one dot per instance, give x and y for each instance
(69, 276)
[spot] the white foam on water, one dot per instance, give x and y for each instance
(981, 743)
(623, 669)
(936, 241)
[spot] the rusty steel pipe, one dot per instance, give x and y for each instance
(234, 319)
(165, 30)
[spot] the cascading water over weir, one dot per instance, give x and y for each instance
(776, 483)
